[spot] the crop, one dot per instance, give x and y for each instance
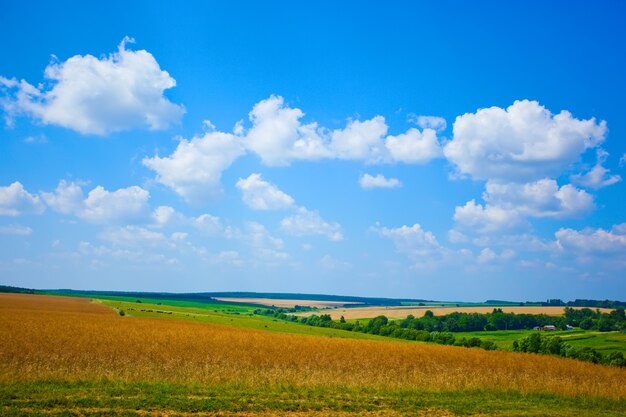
(44, 338)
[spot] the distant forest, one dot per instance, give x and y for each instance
(374, 301)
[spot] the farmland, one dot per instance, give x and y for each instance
(287, 302)
(398, 312)
(59, 354)
(604, 342)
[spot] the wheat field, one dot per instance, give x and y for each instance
(287, 303)
(46, 337)
(400, 312)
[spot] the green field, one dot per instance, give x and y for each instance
(109, 398)
(241, 315)
(227, 314)
(603, 342)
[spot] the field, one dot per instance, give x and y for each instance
(286, 303)
(69, 356)
(400, 312)
(225, 316)
(603, 342)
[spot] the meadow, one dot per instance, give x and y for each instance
(603, 342)
(70, 356)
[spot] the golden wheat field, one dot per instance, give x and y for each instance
(46, 337)
(399, 312)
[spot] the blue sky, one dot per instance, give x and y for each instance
(430, 150)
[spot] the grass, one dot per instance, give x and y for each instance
(140, 398)
(220, 306)
(227, 317)
(66, 356)
(603, 342)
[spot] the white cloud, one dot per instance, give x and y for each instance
(305, 222)
(360, 140)
(524, 142)
(100, 205)
(97, 96)
(486, 255)
(412, 240)
(486, 219)
(368, 181)
(194, 169)
(164, 215)
(262, 195)
(208, 224)
(543, 198)
(330, 263)
(429, 122)
(229, 257)
(454, 236)
(15, 201)
(132, 236)
(414, 147)
(179, 236)
(15, 229)
(595, 241)
(278, 136)
(598, 176)
(264, 246)
(622, 160)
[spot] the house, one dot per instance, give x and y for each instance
(568, 327)
(536, 328)
(549, 327)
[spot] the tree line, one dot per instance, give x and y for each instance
(585, 318)
(441, 329)
(536, 343)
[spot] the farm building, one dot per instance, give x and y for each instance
(549, 327)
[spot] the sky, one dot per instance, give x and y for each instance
(433, 150)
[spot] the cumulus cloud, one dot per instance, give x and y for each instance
(594, 241)
(486, 219)
(361, 140)
(16, 201)
(306, 222)
(486, 255)
(412, 240)
(598, 176)
(414, 147)
(100, 205)
(132, 236)
(278, 136)
(429, 122)
(524, 142)
(262, 195)
(15, 229)
(195, 168)
(264, 246)
(90, 95)
(368, 181)
(164, 215)
(543, 198)
(208, 224)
